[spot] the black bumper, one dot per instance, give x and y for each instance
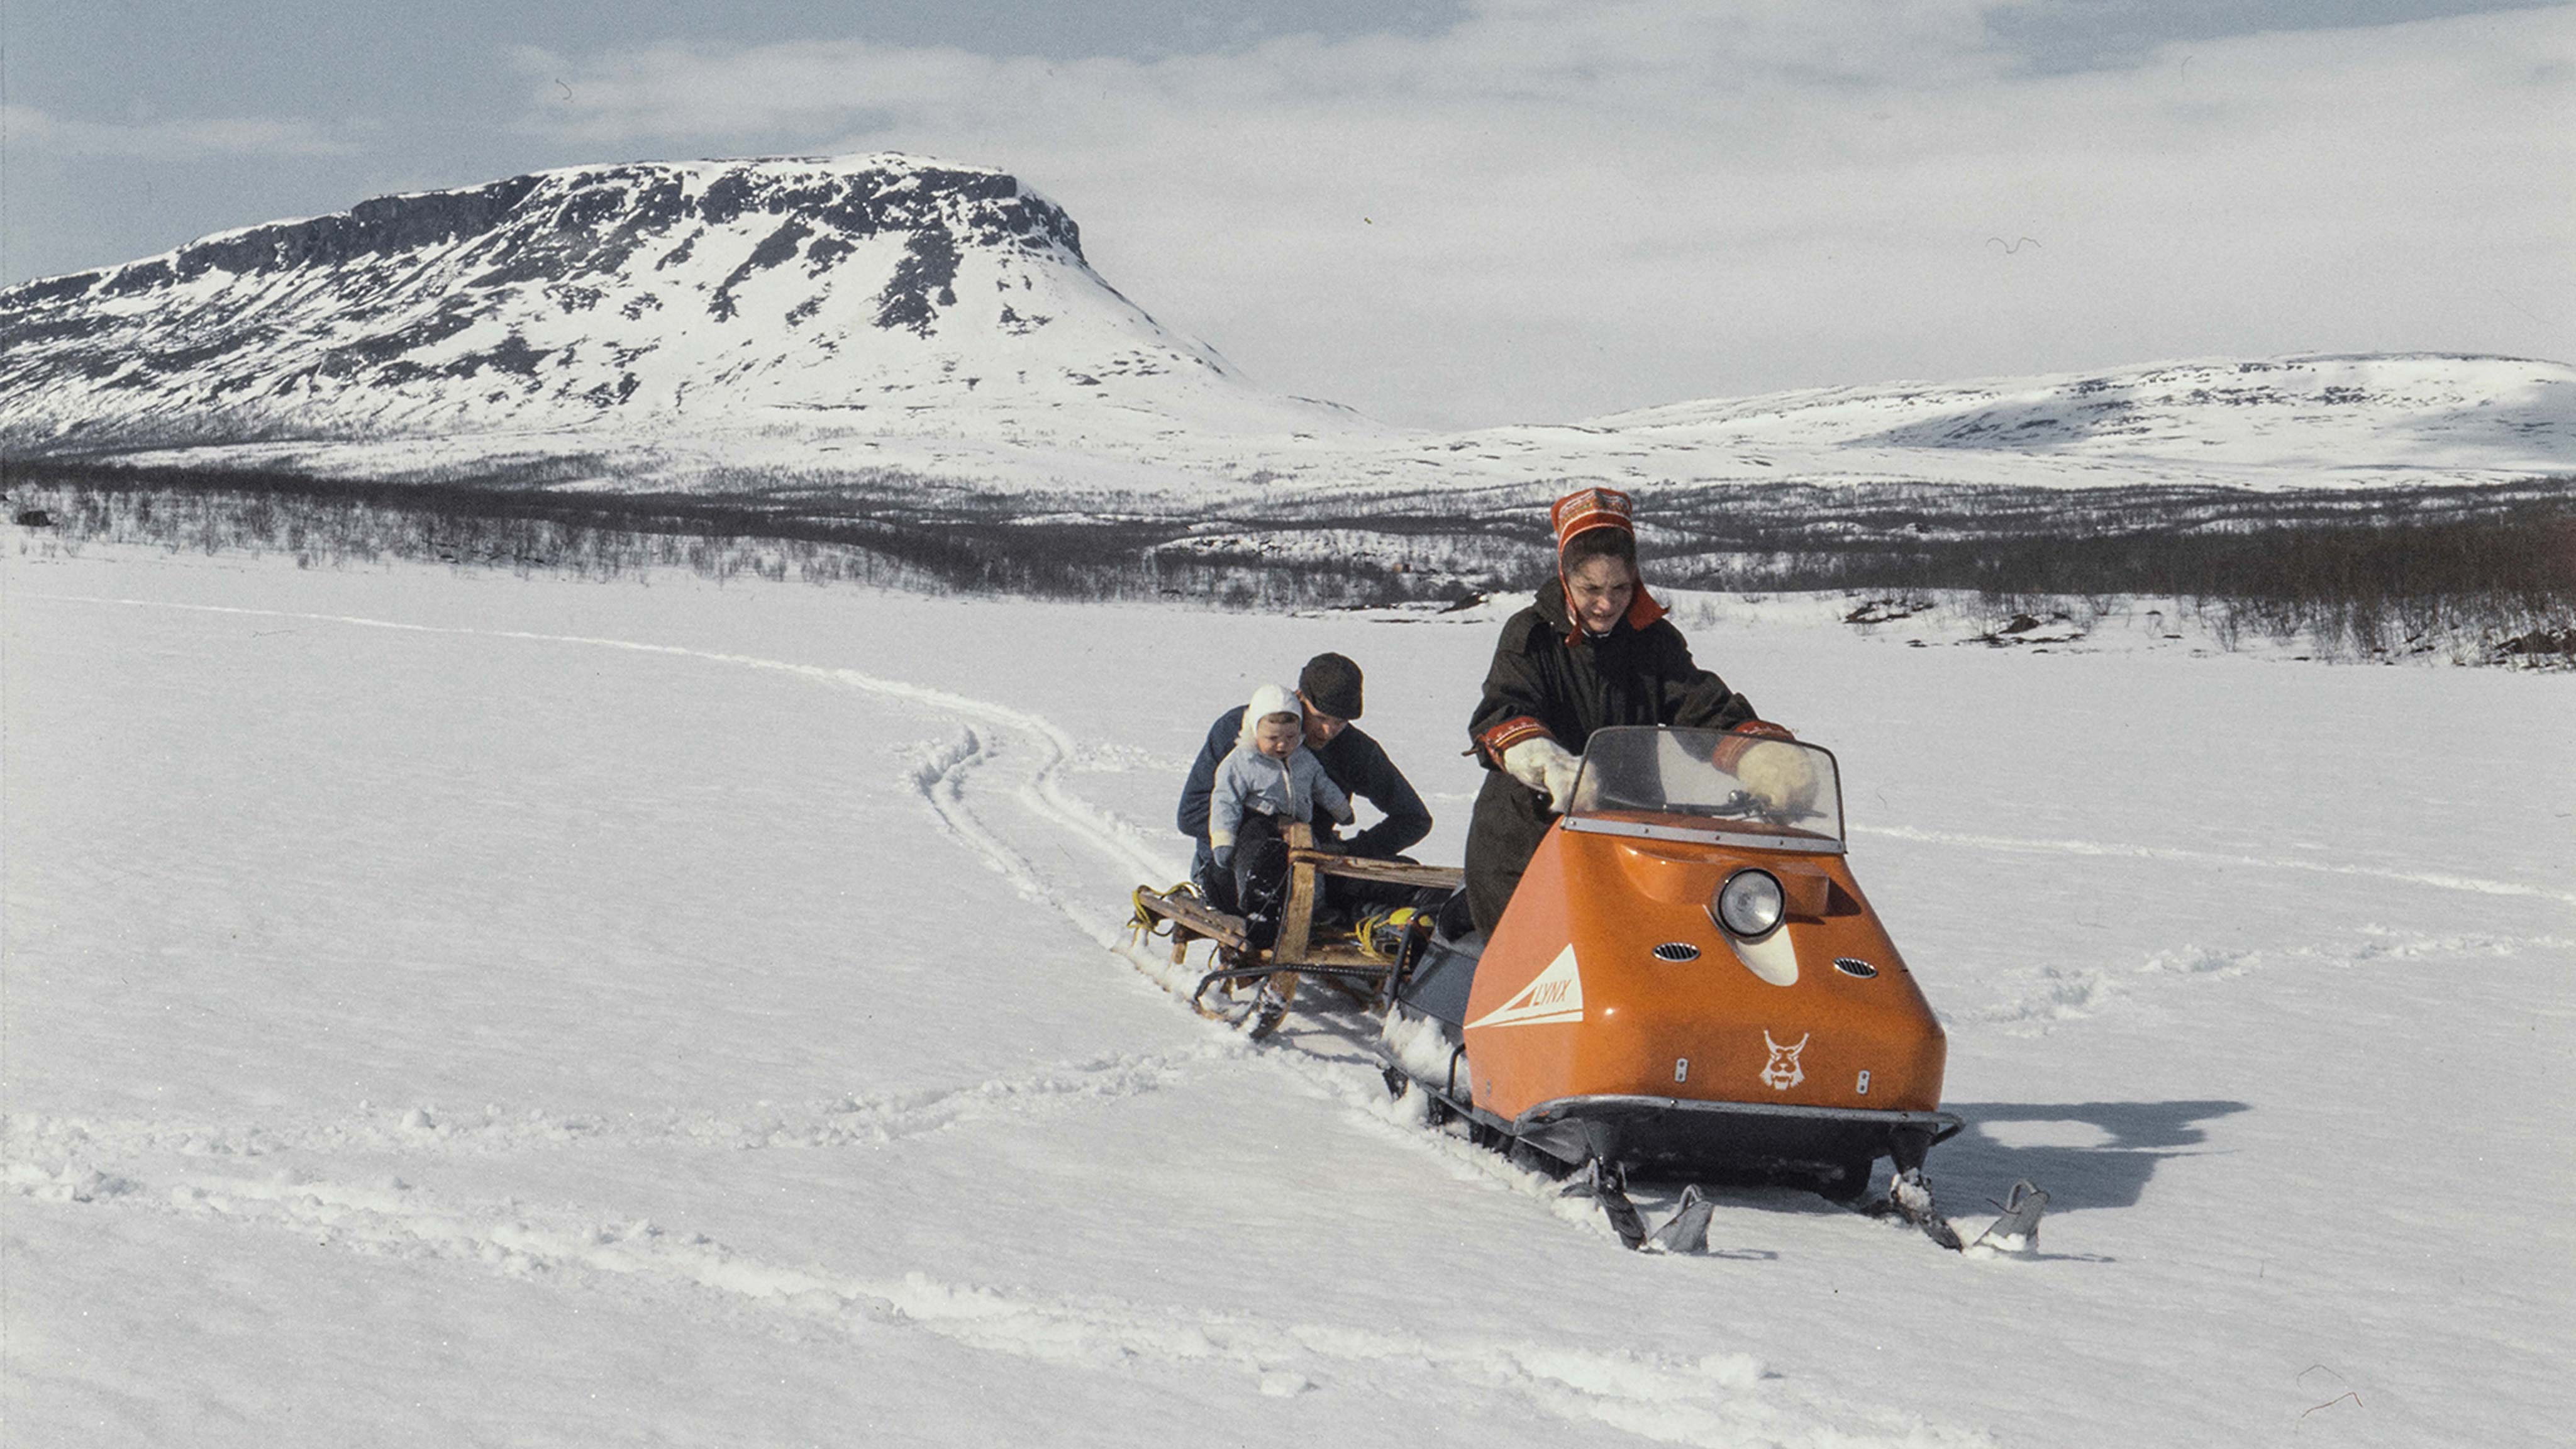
(1672, 1137)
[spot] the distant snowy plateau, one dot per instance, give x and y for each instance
(734, 323)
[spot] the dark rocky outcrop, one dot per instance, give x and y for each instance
(923, 282)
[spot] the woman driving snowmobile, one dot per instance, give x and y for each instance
(1593, 650)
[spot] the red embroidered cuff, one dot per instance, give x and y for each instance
(1741, 738)
(1507, 734)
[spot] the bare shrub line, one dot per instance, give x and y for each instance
(2355, 574)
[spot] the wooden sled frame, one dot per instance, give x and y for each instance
(1296, 952)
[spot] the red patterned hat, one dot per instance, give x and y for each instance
(1589, 508)
(1586, 509)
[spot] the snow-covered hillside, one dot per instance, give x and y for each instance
(450, 1008)
(655, 325)
(2302, 421)
(651, 298)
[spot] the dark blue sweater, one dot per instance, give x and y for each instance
(1353, 761)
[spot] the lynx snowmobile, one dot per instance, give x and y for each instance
(1688, 985)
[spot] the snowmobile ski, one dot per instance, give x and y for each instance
(1910, 1197)
(2017, 1231)
(1686, 1231)
(1602, 1185)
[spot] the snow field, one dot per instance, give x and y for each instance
(453, 1009)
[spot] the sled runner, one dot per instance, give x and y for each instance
(1307, 943)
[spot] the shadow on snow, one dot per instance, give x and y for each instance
(2105, 1174)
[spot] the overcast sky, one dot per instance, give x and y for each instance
(1459, 211)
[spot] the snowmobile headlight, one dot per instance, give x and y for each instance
(1749, 904)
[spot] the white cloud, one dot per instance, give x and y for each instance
(42, 132)
(1557, 208)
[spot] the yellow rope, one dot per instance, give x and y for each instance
(1403, 918)
(1145, 920)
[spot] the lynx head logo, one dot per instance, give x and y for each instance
(1783, 1072)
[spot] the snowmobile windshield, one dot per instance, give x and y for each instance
(1708, 784)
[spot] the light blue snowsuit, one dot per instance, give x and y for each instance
(1250, 782)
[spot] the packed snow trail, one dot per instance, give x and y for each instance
(1333, 1060)
(491, 1038)
(1029, 753)
(940, 779)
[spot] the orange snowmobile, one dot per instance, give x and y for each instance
(1689, 985)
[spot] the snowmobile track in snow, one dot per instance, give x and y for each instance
(430, 1131)
(1716, 1399)
(1029, 755)
(2438, 880)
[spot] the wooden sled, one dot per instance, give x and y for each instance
(1336, 957)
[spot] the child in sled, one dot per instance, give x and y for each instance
(1268, 779)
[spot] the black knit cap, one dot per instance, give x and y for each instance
(1331, 683)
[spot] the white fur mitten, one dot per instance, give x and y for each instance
(1545, 766)
(1779, 775)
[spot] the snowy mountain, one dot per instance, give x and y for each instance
(660, 298)
(665, 324)
(2328, 418)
